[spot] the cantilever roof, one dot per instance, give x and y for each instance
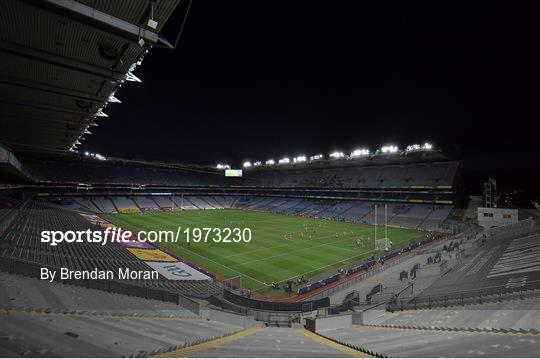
(60, 62)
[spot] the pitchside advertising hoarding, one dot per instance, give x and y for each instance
(177, 271)
(168, 267)
(137, 244)
(152, 255)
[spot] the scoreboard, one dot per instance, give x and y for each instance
(233, 173)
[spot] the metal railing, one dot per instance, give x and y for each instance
(360, 277)
(33, 269)
(476, 295)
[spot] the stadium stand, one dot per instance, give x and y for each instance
(489, 266)
(198, 202)
(122, 172)
(425, 343)
(144, 202)
(277, 342)
(424, 217)
(23, 242)
(412, 216)
(357, 212)
(25, 293)
(482, 302)
(165, 202)
(468, 268)
(517, 314)
(452, 290)
(7, 203)
(441, 174)
(481, 314)
(435, 217)
(105, 205)
(126, 204)
(115, 172)
(57, 335)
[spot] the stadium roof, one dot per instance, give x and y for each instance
(377, 159)
(400, 158)
(62, 61)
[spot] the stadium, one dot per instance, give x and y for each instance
(374, 251)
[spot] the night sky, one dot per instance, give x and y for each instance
(252, 80)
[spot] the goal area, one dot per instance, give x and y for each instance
(384, 244)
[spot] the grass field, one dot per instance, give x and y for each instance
(268, 256)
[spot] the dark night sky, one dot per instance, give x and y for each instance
(253, 80)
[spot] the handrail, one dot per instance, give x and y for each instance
(461, 296)
(32, 269)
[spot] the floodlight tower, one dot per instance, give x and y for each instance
(490, 193)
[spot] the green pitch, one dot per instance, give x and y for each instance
(282, 247)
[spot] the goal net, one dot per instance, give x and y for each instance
(234, 283)
(384, 244)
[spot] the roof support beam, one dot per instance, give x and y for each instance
(44, 107)
(35, 86)
(61, 61)
(101, 20)
(34, 122)
(19, 146)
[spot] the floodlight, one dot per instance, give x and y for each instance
(299, 159)
(360, 152)
(257, 164)
(113, 99)
(337, 155)
(389, 149)
(221, 166)
(100, 113)
(270, 162)
(152, 23)
(131, 77)
(414, 147)
(284, 160)
(247, 164)
(316, 157)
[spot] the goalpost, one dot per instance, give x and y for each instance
(233, 283)
(383, 244)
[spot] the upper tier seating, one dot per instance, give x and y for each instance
(113, 172)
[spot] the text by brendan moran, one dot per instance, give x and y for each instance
(122, 274)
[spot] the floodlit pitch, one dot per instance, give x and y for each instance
(281, 248)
